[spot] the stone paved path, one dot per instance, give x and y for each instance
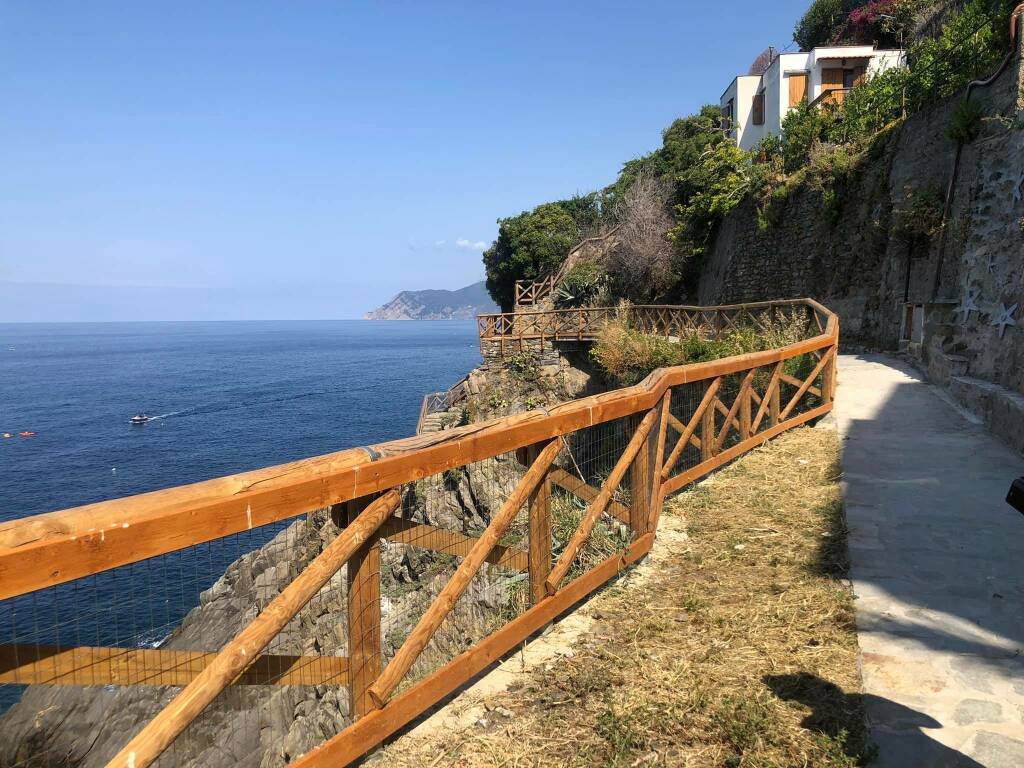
(938, 571)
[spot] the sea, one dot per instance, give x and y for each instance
(224, 397)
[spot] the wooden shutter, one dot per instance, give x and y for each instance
(798, 87)
(758, 109)
(831, 79)
(859, 73)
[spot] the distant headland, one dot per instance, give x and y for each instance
(436, 304)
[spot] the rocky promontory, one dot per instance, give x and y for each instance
(436, 304)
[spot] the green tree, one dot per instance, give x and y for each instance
(682, 144)
(802, 127)
(821, 22)
(708, 190)
(534, 243)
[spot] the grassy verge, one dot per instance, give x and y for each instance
(738, 650)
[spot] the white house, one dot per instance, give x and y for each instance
(753, 105)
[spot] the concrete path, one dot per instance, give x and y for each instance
(938, 571)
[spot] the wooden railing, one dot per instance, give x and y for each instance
(834, 96)
(508, 330)
(653, 439)
(530, 292)
(439, 402)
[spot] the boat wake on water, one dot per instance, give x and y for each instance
(201, 410)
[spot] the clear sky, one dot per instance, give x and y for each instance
(292, 160)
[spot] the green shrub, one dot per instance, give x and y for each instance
(523, 365)
(965, 121)
(919, 217)
(627, 355)
(820, 23)
(708, 191)
(802, 128)
(581, 285)
(831, 207)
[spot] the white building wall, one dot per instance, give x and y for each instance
(741, 91)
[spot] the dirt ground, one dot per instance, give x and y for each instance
(733, 644)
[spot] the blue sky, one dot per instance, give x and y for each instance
(292, 160)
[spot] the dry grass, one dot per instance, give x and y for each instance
(739, 651)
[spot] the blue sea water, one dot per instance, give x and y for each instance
(229, 396)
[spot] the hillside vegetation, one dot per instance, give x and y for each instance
(666, 206)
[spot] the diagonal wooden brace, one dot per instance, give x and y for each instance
(691, 427)
(807, 383)
(598, 505)
(730, 417)
(428, 624)
(766, 401)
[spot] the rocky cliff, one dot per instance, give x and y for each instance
(463, 304)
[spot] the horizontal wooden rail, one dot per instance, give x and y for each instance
(25, 664)
(401, 531)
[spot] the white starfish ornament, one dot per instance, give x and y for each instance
(968, 304)
(1004, 318)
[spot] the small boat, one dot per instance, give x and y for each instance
(26, 433)
(139, 418)
(7, 435)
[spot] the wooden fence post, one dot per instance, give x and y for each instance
(540, 530)
(707, 431)
(656, 496)
(745, 413)
(364, 657)
(640, 481)
(828, 380)
(775, 405)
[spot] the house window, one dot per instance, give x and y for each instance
(727, 116)
(758, 109)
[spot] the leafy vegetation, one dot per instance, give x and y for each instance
(820, 23)
(965, 122)
(970, 45)
(582, 286)
(535, 242)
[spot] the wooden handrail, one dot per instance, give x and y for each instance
(237, 655)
